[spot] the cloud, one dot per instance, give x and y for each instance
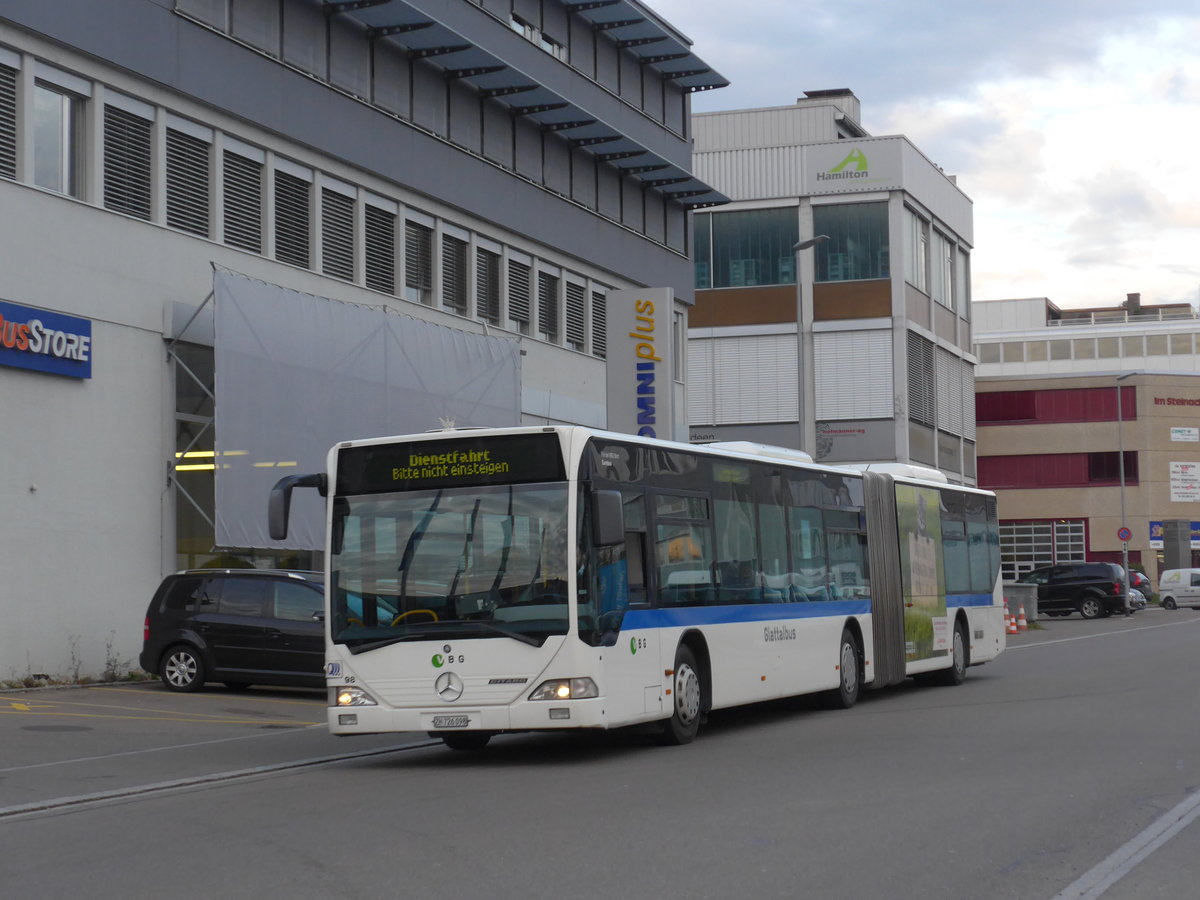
(1073, 125)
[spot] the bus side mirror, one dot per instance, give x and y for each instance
(608, 518)
(279, 504)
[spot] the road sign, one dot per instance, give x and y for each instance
(1124, 534)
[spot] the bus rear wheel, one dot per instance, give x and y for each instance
(687, 697)
(849, 672)
(959, 659)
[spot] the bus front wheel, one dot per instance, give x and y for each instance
(686, 699)
(845, 695)
(464, 740)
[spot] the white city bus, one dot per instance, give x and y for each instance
(482, 581)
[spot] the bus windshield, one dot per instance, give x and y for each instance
(456, 562)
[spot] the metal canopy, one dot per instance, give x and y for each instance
(640, 32)
(421, 36)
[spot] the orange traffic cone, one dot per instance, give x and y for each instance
(1022, 625)
(1012, 622)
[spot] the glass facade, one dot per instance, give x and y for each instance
(858, 242)
(747, 248)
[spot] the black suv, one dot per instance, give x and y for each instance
(1094, 589)
(237, 626)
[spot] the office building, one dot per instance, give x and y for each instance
(236, 231)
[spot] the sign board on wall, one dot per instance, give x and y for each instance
(1185, 482)
(1156, 535)
(1185, 434)
(847, 166)
(641, 363)
(43, 341)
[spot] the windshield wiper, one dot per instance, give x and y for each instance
(457, 626)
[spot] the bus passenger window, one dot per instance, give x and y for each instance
(685, 564)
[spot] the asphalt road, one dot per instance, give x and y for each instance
(1066, 768)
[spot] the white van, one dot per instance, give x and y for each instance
(1179, 587)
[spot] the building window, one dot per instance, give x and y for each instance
(535, 35)
(1066, 405)
(518, 296)
(942, 270)
(751, 247)
(127, 162)
(337, 234)
(858, 242)
(188, 182)
(418, 262)
(8, 122)
(1013, 351)
(57, 125)
(454, 274)
(702, 249)
(1031, 544)
(292, 218)
(916, 241)
(576, 315)
(487, 285)
(548, 324)
(599, 325)
(1056, 470)
(243, 198)
(921, 397)
(379, 248)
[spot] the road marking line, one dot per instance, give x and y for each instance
(177, 717)
(199, 780)
(1087, 637)
(1101, 877)
(189, 746)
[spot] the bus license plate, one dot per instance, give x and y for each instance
(451, 721)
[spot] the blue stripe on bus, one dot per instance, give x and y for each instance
(956, 600)
(756, 612)
(679, 616)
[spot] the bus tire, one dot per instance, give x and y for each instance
(687, 697)
(464, 740)
(960, 658)
(850, 673)
(845, 695)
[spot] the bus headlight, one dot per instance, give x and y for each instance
(352, 696)
(565, 689)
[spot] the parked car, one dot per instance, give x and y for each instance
(1139, 581)
(237, 626)
(1137, 600)
(1179, 587)
(1091, 589)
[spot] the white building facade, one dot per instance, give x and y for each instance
(856, 347)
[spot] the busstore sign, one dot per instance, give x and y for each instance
(45, 341)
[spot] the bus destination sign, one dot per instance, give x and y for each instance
(453, 462)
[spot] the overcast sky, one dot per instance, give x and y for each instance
(1073, 125)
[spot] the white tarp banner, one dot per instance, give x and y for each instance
(295, 374)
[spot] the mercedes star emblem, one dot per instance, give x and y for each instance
(448, 686)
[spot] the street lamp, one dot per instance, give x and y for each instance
(804, 388)
(1121, 469)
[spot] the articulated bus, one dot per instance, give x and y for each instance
(482, 581)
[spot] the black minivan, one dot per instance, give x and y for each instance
(1094, 589)
(236, 626)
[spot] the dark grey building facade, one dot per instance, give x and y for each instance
(492, 167)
